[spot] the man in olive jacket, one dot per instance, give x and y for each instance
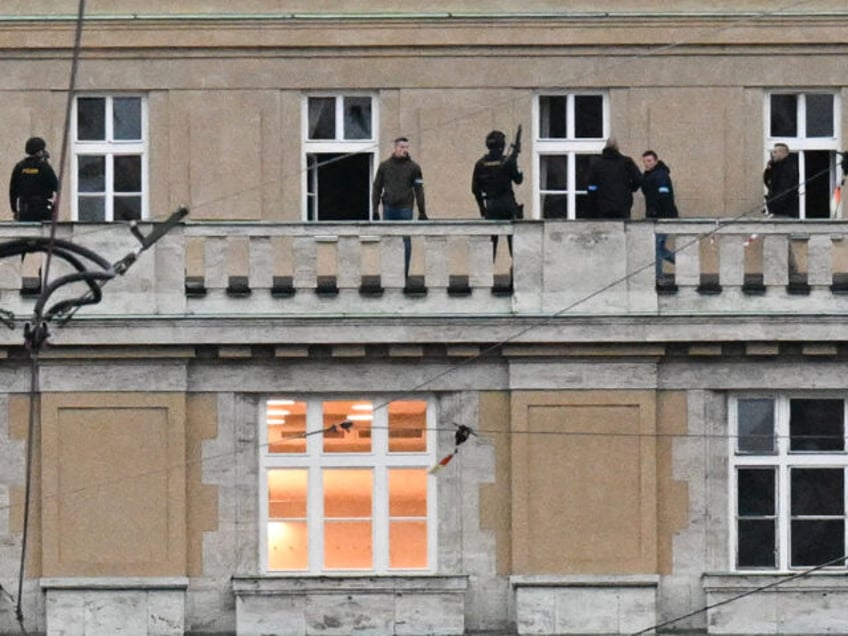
(399, 184)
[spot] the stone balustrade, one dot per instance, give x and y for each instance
(560, 267)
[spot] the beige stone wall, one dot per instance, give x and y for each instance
(591, 482)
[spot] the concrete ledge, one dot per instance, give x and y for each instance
(577, 604)
(811, 605)
(130, 606)
(336, 606)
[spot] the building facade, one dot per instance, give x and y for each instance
(249, 433)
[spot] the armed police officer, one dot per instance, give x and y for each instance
(491, 182)
(33, 184)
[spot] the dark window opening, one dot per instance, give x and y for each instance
(339, 187)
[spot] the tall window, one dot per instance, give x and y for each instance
(347, 487)
(570, 129)
(109, 158)
(339, 144)
(808, 123)
(788, 476)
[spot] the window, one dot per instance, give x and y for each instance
(809, 124)
(788, 476)
(339, 144)
(109, 158)
(569, 130)
(346, 486)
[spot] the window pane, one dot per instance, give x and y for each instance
(582, 204)
(347, 493)
(126, 118)
(755, 492)
(288, 545)
(408, 544)
(354, 436)
(756, 546)
(819, 115)
(582, 164)
(553, 172)
(818, 166)
(287, 493)
(91, 173)
(322, 118)
(554, 206)
(552, 116)
(91, 118)
(347, 496)
(127, 177)
(348, 545)
(91, 209)
(588, 116)
(407, 426)
(756, 426)
(816, 425)
(357, 118)
(286, 421)
(127, 208)
(817, 542)
(817, 491)
(784, 116)
(408, 492)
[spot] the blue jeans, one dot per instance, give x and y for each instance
(401, 214)
(662, 253)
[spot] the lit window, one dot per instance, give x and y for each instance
(808, 123)
(339, 144)
(570, 130)
(109, 158)
(347, 485)
(788, 471)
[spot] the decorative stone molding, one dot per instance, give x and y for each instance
(576, 604)
(304, 605)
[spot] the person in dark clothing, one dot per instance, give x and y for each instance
(612, 181)
(781, 180)
(491, 184)
(33, 184)
(659, 203)
(399, 184)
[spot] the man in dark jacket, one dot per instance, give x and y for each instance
(659, 203)
(612, 181)
(32, 184)
(491, 184)
(781, 180)
(399, 184)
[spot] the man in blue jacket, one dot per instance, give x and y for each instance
(659, 203)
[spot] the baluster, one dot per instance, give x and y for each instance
(731, 260)
(820, 260)
(775, 260)
(348, 265)
(687, 266)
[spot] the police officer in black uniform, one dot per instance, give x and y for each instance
(33, 184)
(492, 182)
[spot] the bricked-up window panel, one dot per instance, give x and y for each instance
(339, 141)
(348, 486)
(570, 130)
(808, 123)
(109, 158)
(788, 472)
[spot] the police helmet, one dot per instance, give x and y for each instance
(495, 140)
(34, 145)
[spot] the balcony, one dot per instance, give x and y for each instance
(582, 268)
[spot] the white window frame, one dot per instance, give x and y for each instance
(338, 145)
(110, 148)
(800, 143)
(378, 459)
(783, 460)
(569, 146)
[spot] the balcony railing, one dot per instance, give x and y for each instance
(563, 267)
